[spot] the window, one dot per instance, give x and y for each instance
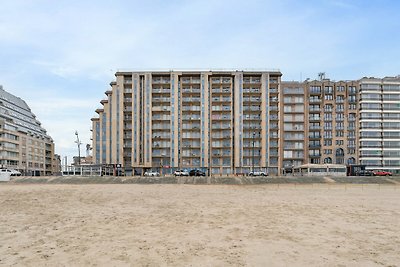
(352, 90)
(339, 108)
(328, 108)
(352, 99)
(327, 125)
(328, 134)
(328, 97)
(340, 88)
(327, 160)
(339, 133)
(328, 90)
(352, 106)
(340, 99)
(328, 116)
(315, 89)
(351, 151)
(314, 99)
(314, 143)
(327, 142)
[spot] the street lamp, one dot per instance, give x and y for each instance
(78, 142)
(252, 161)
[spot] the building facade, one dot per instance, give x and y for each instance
(319, 122)
(380, 123)
(224, 122)
(232, 122)
(24, 143)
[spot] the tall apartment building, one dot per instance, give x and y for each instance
(24, 143)
(380, 123)
(319, 122)
(293, 125)
(224, 122)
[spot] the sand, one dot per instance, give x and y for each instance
(199, 225)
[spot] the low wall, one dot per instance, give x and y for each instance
(234, 180)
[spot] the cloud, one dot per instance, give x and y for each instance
(60, 56)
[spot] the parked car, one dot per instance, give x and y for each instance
(151, 173)
(181, 173)
(197, 173)
(364, 173)
(382, 173)
(11, 172)
(257, 173)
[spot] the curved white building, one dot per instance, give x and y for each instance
(24, 143)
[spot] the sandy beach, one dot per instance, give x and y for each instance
(199, 225)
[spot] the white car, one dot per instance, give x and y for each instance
(181, 173)
(11, 172)
(258, 173)
(151, 173)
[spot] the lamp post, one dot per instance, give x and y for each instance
(252, 158)
(78, 142)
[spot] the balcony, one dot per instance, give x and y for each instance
(273, 136)
(314, 118)
(221, 80)
(274, 117)
(251, 99)
(161, 91)
(191, 99)
(161, 108)
(191, 90)
(221, 99)
(273, 100)
(161, 99)
(251, 108)
(161, 118)
(161, 81)
(251, 90)
(314, 145)
(221, 90)
(251, 80)
(221, 117)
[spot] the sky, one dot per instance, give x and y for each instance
(60, 56)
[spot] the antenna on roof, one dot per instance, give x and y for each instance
(321, 76)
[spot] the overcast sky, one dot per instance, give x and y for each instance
(60, 56)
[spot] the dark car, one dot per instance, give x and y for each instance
(364, 173)
(197, 173)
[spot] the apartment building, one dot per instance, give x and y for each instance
(24, 143)
(224, 122)
(319, 122)
(380, 123)
(293, 125)
(332, 130)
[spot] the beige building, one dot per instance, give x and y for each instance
(320, 122)
(223, 122)
(24, 143)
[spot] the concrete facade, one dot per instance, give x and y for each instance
(231, 122)
(224, 122)
(380, 123)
